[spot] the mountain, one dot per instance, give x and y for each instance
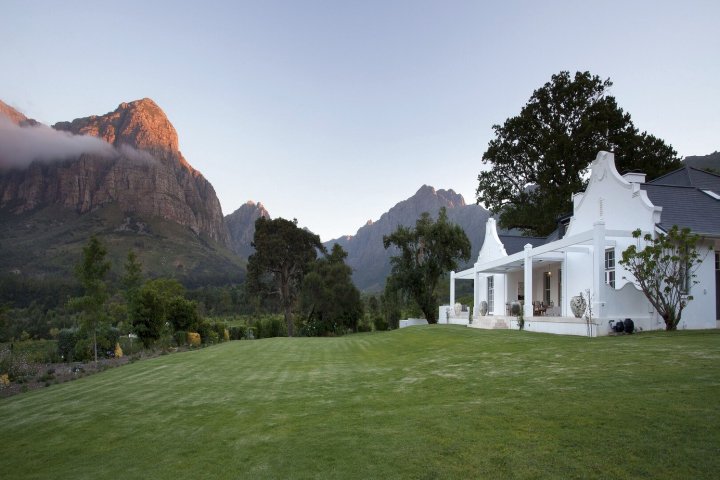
(118, 175)
(241, 227)
(704, 162)
(369, 259)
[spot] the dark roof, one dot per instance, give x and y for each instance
(516, 243)
(686, 206)
(690, 177)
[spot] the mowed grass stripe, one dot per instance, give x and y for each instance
(424, 402)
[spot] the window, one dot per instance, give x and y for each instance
(546, 287)
(521, 291)
(491, 293)
(610, 267)
(717, 261)
(685, 275)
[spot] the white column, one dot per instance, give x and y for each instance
(476, 293)
(598, 293)
(528, 308)
(452, 289)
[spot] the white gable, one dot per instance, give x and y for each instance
(622, 205)
(492, 247)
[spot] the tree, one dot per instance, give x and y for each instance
(328, 298)
(426, 252)
(283, 254)
(91, 273)
(156, 303)
(664, 270)
(539, 157)
(132, 279)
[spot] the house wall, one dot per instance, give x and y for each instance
(577, 277)
(700, 311)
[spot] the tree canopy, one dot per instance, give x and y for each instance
(537, 159)
(283, 255)
(426, 252)
(664, 269)
(329, 300)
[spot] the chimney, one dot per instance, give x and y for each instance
(634, 177)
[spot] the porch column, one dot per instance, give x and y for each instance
(452, 289)
(476, 294)
(528, 307)
(598, 297)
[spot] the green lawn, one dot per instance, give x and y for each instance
(423, 402)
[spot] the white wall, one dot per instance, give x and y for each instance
(700, 311)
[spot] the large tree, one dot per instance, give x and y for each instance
(283, 255)
(329, 300)
(91, 272)
(664, 269)
(537, 159)
(426, 252)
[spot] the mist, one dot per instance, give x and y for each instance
(20, 146)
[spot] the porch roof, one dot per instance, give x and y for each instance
(549, 252)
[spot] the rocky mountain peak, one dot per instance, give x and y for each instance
(15, 116)
(140, 124)
(241, 227)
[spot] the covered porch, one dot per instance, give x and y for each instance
(541, 281)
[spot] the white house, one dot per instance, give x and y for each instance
(543, 274)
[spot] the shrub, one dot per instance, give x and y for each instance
(220, 329)
(213, 338)
(193, 339)
(118, 350)
(16, 366)
(67, 338)
(204, 329)
(237, 332)
(226, 335)
(181, 338)
(182, 313)
(84, 349)
(380, 324)
(271, 326)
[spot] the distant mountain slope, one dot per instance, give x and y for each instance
(704, 162)
(118, 175)
(241, 227)
(368, 258)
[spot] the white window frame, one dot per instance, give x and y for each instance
(610, 267)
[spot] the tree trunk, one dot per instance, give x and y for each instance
(288, 321)
(430, 315)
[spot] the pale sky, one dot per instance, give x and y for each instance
(333, 111)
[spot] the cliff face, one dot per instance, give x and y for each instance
(241, 227)
(145, 174)
(369, 259)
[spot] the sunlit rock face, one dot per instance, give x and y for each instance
(144, 174)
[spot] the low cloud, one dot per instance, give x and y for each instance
(20, 146)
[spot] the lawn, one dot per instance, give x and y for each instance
(423, 402)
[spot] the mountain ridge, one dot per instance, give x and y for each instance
(369, 259)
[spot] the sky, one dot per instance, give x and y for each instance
(331, 112)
